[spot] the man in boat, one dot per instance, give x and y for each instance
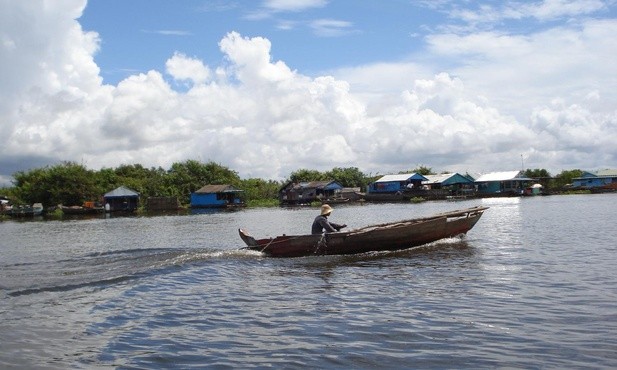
(321, 222)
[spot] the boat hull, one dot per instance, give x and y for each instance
(391, 236)
(79, 210)
(25, 211)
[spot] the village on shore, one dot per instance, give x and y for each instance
(414, 186)
(403, 187)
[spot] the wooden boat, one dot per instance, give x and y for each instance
(81, 210)
(25, 211)
(389, 236)
(336, 200)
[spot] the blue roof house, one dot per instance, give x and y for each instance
(503, 183)
(446, 180)
(595, 179)
(308, 191)
(389, 184)
(216, 196)
(453, 182)
(121, 199)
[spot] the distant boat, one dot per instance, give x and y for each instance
(81, 210)
(25, 211)
(389, 236)
(335, 200)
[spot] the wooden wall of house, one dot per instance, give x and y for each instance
(126, 204)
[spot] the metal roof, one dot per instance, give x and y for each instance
(121, 191)
(316, 184)
(606, 173)
(328, 184)
(209, 189)
(502, 176)
(434, 179)
(600, 173)
(400, 177)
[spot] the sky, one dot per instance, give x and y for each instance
(269, 87)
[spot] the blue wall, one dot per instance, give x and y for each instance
(591, 182)
(516, 186)
(213, 200)
(386, 187)
(394, 186)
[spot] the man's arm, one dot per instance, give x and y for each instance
(327, 225)
(337, 226)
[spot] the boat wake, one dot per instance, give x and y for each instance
(103, 269)
(100, 270)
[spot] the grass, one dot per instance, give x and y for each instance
(417, 200)
(263, 203)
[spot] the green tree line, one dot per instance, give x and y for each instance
(70, 183)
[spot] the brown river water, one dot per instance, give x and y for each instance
(533, 285)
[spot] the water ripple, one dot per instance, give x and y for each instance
(533, 285)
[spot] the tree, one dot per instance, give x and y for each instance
(566, 177)
(422, 170)
(303, 175)
(256, 189)
(148, 182)
(29, 186)
(537, 173)
(348, 177)
(68, 183)
(186, 177)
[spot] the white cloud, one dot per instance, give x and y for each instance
(271, 7)
(518, 72)
(546, 10)
(251, 60)
(331, 27)
(51, 89)
(293, 5)
(552, 9)
(170, 32)
(547, 95)
(180, 67)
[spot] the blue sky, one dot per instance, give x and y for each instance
(310, 36)
(269, 87)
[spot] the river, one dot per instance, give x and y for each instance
(533, 285)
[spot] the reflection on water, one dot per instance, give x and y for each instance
(533, 285)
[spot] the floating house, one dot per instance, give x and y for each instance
(306, 192)
(454, 183)
(602, 178)
(503, 183)
(217, 196)
(121, 199)
(353, 194)
(391, 184)
(535, 189)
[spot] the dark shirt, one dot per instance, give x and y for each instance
(321, 223)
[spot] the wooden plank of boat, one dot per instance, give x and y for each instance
(79, 210)
(388, 236)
